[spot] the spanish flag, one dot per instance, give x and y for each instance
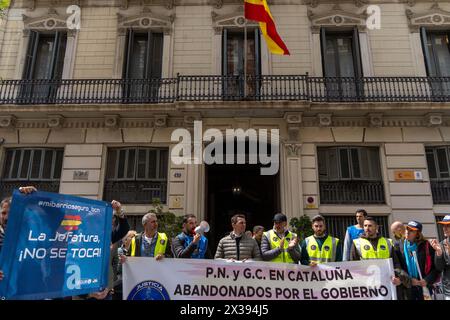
(258, 10)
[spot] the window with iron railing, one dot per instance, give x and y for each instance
(143, 66)
(337, 225)
(136, 175)
(438, 169)
(39, 167)
(350, 175)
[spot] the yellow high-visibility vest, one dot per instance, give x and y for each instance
(366, 250)
(160, 248)
(324, 255)
(284, 256)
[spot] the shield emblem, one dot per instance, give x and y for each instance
(382, 247)
(162, 241)
(313, 247)
(326, 248)
(288, 239)
(275, 239)
(366, 247)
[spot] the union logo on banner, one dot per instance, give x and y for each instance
(70, 222)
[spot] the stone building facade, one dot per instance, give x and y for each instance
(363, 114)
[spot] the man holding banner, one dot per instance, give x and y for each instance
(55, 246)
(370, 245)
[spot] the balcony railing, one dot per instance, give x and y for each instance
(136, 192)
(440, 191)
(7, 187)
(351, 192)
(226, 88)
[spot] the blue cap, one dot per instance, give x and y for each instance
(414, 225)
(446, 220)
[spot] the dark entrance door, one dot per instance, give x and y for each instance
(235, 189)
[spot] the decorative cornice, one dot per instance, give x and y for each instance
(161, 120)
(325, 119)
(434, 18)
(51, 21)
(8, 121)
(55, 121)
(146, 20)
(337, 18)
(232, 20)
(433, 119)
(375, 119)
(112, 121)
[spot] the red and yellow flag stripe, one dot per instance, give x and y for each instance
(258, 10)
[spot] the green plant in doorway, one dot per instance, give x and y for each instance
(302, 227)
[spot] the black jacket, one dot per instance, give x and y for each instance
(179, 251)
(429, 277)
(121, 229)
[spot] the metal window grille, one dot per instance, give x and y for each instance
(136, 175)
(40, 167)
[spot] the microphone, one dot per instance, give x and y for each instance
(202, 228)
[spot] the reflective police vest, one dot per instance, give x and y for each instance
(284, 256)
(324, 255)
(160, 247)
(366, 251)
(202, 245)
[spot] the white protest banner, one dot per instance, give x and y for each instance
(192, 279)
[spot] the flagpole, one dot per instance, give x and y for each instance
(245, 58)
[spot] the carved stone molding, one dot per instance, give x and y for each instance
(325, 119)
(375, 119)
(146, 20)
(55, 121)
(293, 120)
(433, 119)
(233, 20)
(51, 21)
(337, 18)
(7, 121)
(434, 18)
(293, 149)
(161, 120)
(217, 3)
(188, 120)
(112, 120)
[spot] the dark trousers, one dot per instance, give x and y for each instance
(416, 293)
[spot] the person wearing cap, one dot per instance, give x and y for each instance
(415, 242)
(442, 257)
(353, 232)
(237, 246)
(279, 244)
(321, 247)
(189, 244)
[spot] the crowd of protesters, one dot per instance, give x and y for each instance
(418, 263)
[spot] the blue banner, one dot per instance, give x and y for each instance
(55, 246)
